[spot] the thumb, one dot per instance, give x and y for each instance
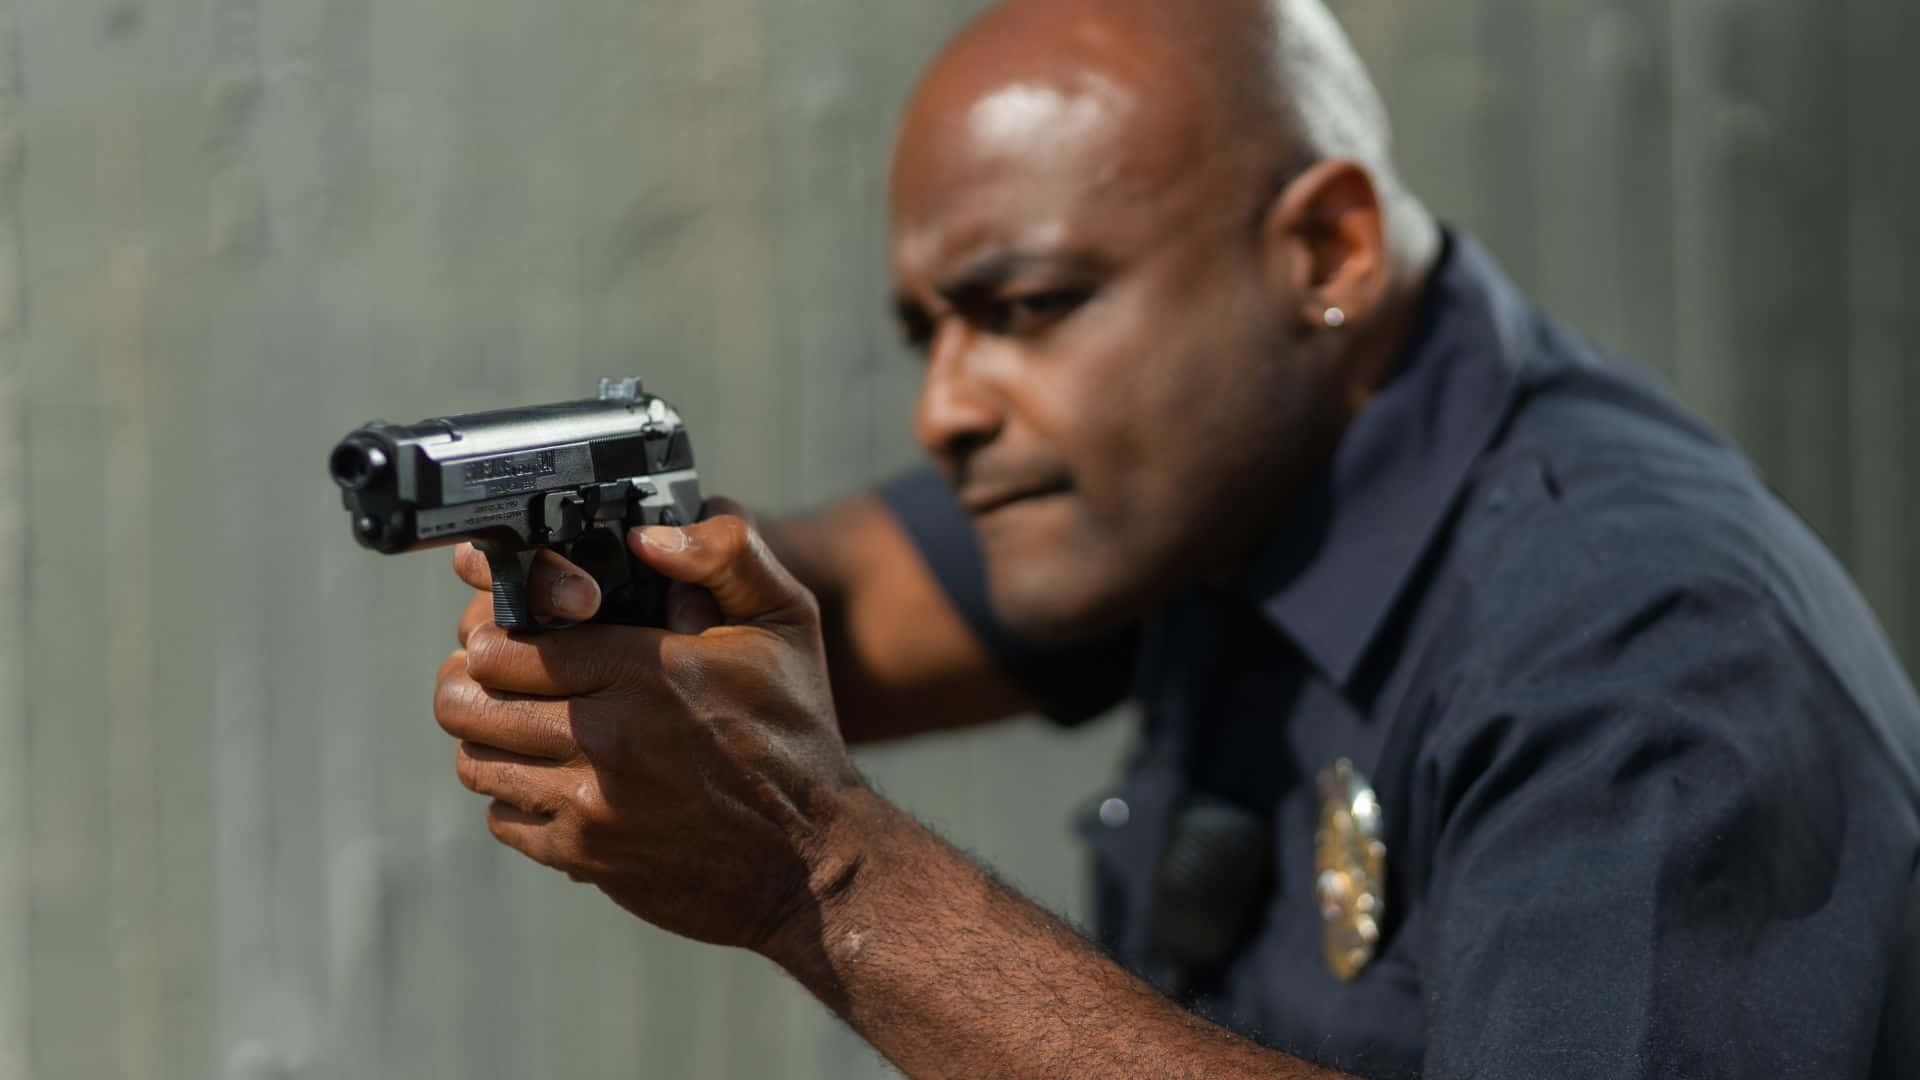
(726, 557)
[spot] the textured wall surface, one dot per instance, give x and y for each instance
(231, 843)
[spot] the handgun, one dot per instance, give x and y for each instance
(571, 478)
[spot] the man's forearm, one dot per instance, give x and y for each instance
(949, 973)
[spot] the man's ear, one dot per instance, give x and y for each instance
(1325, 245)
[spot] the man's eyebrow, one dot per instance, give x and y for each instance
(994, 269)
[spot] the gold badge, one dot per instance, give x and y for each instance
(1350, 864)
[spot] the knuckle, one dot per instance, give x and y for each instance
(683, 666)
(732, 538)
(452, 698)
(738, 667)
(569, 859)
(559, 844)
(503, 822)
(595, 823)
(602, 667)
(606, 740)
(471, 566)
(562, 728)
(600, 742)
(484, 652)
(467, 768)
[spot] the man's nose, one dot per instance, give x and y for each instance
(958, 410)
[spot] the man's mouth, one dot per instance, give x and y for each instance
(984, 501)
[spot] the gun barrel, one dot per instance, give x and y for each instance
(358, 463)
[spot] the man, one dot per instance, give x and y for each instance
(1499, 723)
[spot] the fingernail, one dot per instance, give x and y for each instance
(575, 595)
(668, 538)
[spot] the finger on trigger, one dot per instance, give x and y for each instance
(691, 609)
(562, 590)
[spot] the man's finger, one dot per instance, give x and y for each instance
(583, 660)
(535, 727)
(532, 835)
(692, 609)
(728, 559)
(479, 613)
(556, 588)
(527, 783)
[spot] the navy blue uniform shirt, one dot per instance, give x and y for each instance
(1645, 763)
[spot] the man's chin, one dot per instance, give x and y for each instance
(1047, 603)
(1052, 578)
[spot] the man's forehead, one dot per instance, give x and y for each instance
(1035, 148)
(1018, 114)
(1070, 117)
(1017, 163)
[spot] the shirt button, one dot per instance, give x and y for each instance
(1115, 813)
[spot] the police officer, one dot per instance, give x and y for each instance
(1499, 722)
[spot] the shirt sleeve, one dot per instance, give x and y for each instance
(1666, 843)
(1068, 685)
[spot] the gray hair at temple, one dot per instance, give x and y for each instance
(1331, 106)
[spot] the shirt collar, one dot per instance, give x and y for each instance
(1332, 574)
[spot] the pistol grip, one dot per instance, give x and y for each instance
(512, 608)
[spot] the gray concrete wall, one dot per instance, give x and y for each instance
(231, 844)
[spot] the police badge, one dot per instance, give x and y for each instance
(1350, 865)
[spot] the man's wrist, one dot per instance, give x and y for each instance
(840, 862)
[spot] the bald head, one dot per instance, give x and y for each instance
(1271, 85)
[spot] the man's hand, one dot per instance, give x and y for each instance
(691, 772)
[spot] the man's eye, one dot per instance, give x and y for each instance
(916, 329)
(1031, 312)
